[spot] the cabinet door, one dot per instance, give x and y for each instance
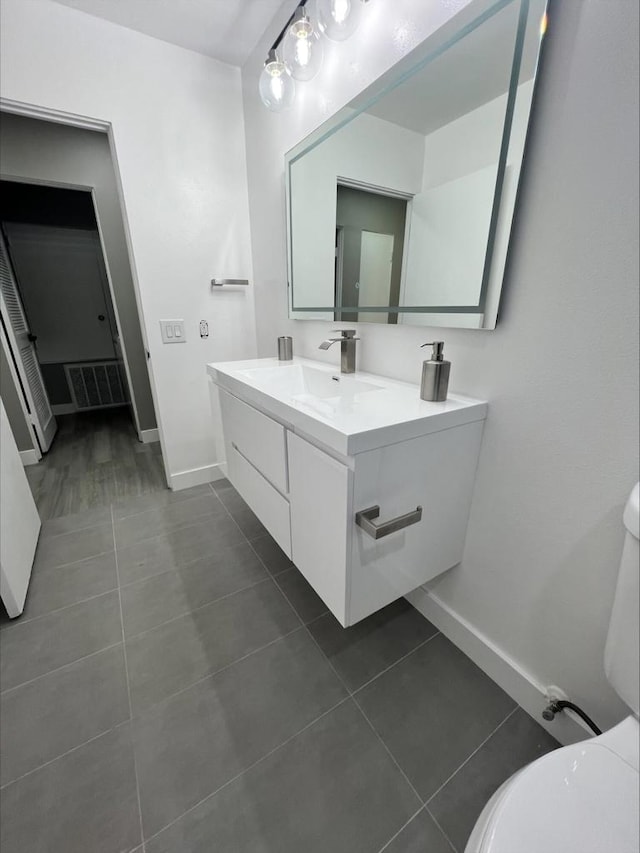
(19, 523)
(319, 490)
(436, 472)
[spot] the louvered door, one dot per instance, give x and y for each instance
(21, 343)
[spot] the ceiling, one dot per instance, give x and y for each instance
(469, 74)
(227, 30)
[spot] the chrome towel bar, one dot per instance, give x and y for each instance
(364, 519)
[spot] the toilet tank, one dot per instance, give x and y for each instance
(622, 653)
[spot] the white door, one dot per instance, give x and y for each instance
(19, 523)
(22, 347)
(376, 259)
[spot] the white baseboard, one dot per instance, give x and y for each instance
(63, 409)
(29, 457)
(148, 436)
(520, 684)
(195, 477)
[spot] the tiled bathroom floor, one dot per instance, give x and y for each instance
(175, 686)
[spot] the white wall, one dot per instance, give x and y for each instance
(560, 447)
(178, 130)
(360, 152)
(450, 217)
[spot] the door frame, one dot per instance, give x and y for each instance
(30, 110)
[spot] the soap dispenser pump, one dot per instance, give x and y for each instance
(435, 374)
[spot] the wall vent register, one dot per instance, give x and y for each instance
(97, 385)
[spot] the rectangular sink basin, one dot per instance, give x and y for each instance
(346, 414)
(302, 382)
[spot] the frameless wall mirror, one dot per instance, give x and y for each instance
(400, 206)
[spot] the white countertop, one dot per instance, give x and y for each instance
(366, 412)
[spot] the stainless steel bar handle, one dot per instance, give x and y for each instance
(364, 519)
(221, 282)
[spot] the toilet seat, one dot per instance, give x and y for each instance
(559, 804)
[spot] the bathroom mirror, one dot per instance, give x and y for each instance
(400, 206)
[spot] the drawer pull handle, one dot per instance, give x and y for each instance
(364, 519)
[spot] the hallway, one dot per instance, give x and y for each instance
(95, 459)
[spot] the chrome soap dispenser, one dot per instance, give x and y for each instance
(435, 374)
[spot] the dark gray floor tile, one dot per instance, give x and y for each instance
(146, 525)
(332, 788)
(154, 600)
(221, 485)
(304, 600)
(71, 547)
(84, 801)
(154, 500)
(420, 836)
(271, 554)
(174, 655)
(50, 589)
(51, 715)
(363, 651)
(190, 745)
(516, 743)
(95, 459)
(43, 644)
(250, 524)
(177, 548)
(231, 498)
(77, 521)
(432, 710)
(242, 513)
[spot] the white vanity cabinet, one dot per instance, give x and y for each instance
(308, 477)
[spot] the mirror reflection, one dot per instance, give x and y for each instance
(400, 207)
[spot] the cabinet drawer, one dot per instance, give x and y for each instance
(267, 503)
(261, 440)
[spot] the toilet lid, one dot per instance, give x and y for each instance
(580, 799)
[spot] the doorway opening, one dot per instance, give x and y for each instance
(370, 244)
(60, 330)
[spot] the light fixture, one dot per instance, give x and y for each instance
(277, 89)
(302, 48)
(339, 19)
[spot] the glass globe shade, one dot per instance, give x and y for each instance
(276, 86)
(339, 19)
(302, 48)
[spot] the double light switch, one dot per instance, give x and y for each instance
(172, 331)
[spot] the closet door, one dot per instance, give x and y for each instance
(22, 346)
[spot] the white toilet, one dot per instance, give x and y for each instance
(583, 798)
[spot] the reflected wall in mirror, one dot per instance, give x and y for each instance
(400, 206)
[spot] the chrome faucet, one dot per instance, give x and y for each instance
(347, 341)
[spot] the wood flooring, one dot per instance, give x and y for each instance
(95, 459)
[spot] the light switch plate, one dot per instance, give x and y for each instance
(172, 331)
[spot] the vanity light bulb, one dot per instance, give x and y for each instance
(302, 48)
(276, 86)
(339, 19)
